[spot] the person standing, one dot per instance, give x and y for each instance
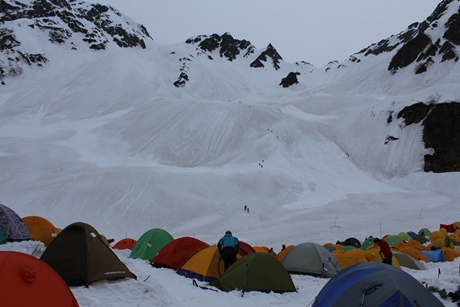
(228, 247)
(385, 251)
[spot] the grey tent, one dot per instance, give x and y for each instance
(14, 229)
(311, 259)
(375, 284)
(408, 261)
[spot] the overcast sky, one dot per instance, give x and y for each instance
(310, 30)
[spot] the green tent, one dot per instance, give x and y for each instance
(256, 272)
(404, 236)
(346, 248)
(150, 243)
(424, 232)
(392, 240)
(368, 242)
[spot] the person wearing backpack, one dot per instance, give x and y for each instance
(228, 247)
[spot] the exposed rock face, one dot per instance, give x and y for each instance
(441, 132)
(228, 46)
(96, 24)
(290, 79)
(271, 53)
(419, 43)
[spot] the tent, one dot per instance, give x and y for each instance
(449, 254)
(150, 243)
(447, 227)
(311, 259)
(256, 272)
(81, 257)
(126, 243)
(404, 236)
(367, 243)
(12, 225)
(264, 249)
(353, 256)
(28, 281)
(204, 265)
(414, 253)
(41, 229)
(424, 232)
(434, 256)
(283, 252)
(352, 242)
(375, 284)
(408, 261)
(392, 240)
(176, 252)
(245, 248)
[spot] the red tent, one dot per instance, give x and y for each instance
(176, 252)
(245, 248)
(126, 243)
(28, 281)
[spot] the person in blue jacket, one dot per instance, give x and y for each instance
(228, 248)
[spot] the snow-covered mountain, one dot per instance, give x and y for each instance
(101, 124)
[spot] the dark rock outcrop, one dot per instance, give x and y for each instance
(290, 79)
(228, 46)
(271, 53)
(441, 132)
(61, 20)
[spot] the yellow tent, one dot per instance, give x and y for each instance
(282, 253)
(41, 229)
(205, 265)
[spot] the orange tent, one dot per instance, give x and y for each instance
(176, 252)
(282, 253)
(28, 281)
(126, 243)
(414, 253)
(450, 254)
(353, 256)
(41, 229)
(264, 249)
(416, 244)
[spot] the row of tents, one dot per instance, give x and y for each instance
(76, 252)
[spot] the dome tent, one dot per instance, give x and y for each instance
(256, 272)
(81, 257)
(41, 229)
(311, 259)
(176, 252)
(375, 284)
(28, 281)
(12, 225)
(150, 243)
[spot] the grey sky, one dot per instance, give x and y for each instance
(310, 30)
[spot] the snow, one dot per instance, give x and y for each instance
(106, 139)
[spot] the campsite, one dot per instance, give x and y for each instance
(188, 271)
(123, 161)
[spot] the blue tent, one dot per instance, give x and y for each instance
(375, 284)
(434, 256)
(412, 234)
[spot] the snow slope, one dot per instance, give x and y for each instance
(105, 138)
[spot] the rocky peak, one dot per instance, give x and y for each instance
(65, 22)
(227, 46)
(433, 40)
(271, 53)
